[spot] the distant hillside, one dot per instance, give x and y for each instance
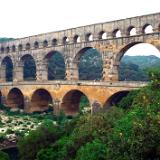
(132, 68)
(142, 61)
(5, 39)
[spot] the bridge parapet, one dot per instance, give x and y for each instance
(59, 38)
(132, 84)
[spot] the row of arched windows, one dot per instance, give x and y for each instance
(131, 31)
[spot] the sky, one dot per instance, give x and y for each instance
(21, 18)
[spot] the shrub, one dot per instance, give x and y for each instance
(154, 76)
(9, 131)
(80, 132)
(4, 156)
(127, 101)
(136, 135)
(95, 150)
(2, 137)
(45, 135)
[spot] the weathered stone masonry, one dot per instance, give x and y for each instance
(70, 43)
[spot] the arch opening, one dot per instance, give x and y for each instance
(7, 49)
(102, 35)
(65, 40)
(2, 49)
(89, 37)
(7, 66)
(90, 64)
(15, 99)
(41, 101)
(36, 45)
(77, 39)
(20, 47)
(56, 65)
(45, 43)
(117, 33)
(29, 67)
(115, 99)
(132, 31)
(134, 59)
(147, 29)
(28, 46)
(13, 48)
(54, 42)
(75, 101)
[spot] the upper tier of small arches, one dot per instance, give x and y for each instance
(78, 36)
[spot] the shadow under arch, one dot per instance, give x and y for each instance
(114, 99)
(15, 98)
(29, 67)
(89, 63)
(41, 99)
(71, 102)
(7, 66)
(55, 65)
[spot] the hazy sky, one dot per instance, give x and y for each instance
(21, 18)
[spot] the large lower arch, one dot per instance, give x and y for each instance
(89, 63)
(115, 98)
(133, 59)
(15, 99)
(55, 65)
(40, 101)
(71, 102)
(29, 67)
(7, 69)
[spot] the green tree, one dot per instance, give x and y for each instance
(4, 156)
(95, 150)
(45, 135)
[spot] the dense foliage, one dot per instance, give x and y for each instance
(3, 156)
(56, 67)
(129, 131)
(5, 39)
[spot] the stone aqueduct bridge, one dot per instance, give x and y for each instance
(72, 43)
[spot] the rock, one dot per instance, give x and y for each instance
(21, 111)
(14, 109)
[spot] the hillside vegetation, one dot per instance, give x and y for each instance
(128, 131)
(5, 39)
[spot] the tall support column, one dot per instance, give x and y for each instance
(114, 75)
(18, 73)
(72, 71)
(139, 30)
(110, 68)
(56, 106)
(3, 73)
(27, 102)
(42, 71)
